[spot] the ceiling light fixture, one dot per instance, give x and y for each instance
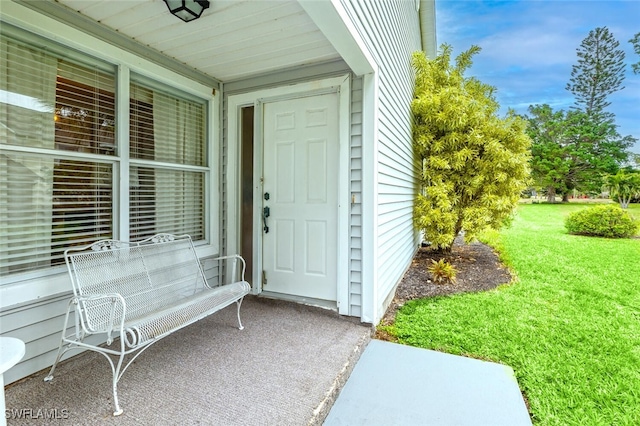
(187, 10)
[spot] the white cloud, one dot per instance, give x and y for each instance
(529, 47)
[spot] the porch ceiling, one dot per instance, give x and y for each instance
(233, 39)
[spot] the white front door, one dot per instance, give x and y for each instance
(300, 186)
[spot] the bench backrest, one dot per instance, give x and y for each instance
(150, 275)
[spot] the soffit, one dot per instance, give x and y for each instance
(233, 39)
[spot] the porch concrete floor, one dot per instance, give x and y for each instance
(284, 368)
(287, 367)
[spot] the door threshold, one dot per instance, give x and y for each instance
(319, 303)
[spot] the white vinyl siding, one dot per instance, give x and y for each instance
(391, 31)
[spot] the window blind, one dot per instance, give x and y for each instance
(166, 127)
(165, 200)
(52, 200)
(51, 204)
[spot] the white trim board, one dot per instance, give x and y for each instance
(341, 85)
(370, 106)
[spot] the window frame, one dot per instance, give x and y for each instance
(87, 48)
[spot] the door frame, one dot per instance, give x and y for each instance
(340, 85)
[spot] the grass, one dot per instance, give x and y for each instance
(569, 325)
(634, 210)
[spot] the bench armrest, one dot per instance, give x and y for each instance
(235, 258)
(118, 309)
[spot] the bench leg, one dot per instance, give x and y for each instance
(61, 352)
(61, 349)
(117, 373)
(116, 404)
(116, 370)
(239, 302)
(115, 400)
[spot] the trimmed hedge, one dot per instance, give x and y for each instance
(602, 221)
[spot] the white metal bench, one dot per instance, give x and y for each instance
(139, 292)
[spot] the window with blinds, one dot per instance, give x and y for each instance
(53, 198)
(59, 156)
(167, 150)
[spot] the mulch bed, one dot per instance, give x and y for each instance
(478, 269)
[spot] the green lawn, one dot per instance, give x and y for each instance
(569, 325)
(634, 209)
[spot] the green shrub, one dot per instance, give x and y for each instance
(602, 221)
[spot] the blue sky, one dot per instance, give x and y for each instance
(529, 48)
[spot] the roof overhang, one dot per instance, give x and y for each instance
(233, 40)
(332, 19)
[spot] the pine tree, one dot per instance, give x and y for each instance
(598, 73)
(635, 41)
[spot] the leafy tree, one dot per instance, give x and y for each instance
(474, 164)
(635, 41)
(570, 150)
(598, 73)
(550, 157)
(624, 186)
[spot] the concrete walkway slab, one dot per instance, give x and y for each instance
(395, 384)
